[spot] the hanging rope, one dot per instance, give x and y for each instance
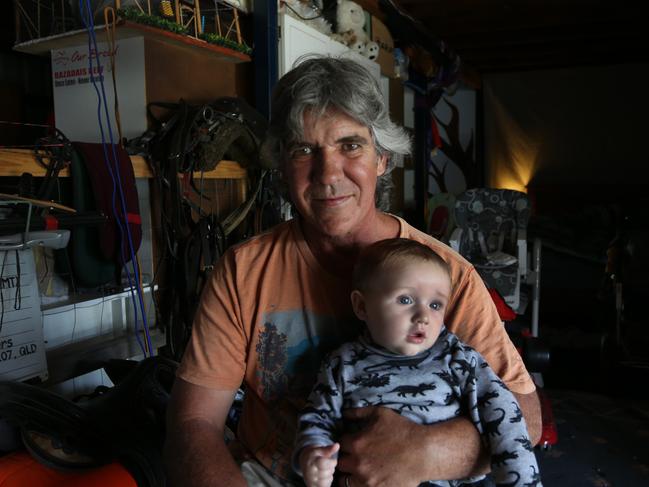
(110, 21)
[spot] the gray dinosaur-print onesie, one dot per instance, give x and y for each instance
(447, 380)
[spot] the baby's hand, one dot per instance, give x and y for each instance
(318, 464)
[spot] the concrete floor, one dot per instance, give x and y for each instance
(603, 441)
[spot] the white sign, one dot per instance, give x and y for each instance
(76, 98)
(22, 350)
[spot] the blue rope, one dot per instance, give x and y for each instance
(115, 177)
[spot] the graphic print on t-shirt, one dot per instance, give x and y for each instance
(291, 347)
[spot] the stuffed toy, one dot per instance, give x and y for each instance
(349, 23)
(350, 19)
(371, 50)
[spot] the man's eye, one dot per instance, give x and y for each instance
(351, 147)
(301, 152)
(404, 300)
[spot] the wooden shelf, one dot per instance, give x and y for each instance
(14, 162)
(125, 29)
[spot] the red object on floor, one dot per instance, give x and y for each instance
(549, 435)
(505, 312)
(19, 469)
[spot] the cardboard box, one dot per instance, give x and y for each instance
(381, 35)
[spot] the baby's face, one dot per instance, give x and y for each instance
(404, 308)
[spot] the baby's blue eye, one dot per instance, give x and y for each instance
(436, 306)
(405, 300)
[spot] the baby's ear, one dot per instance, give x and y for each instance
(358, 304)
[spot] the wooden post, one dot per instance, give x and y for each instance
(217, 18)
(179, 17)
(197, 14)
(236, 20)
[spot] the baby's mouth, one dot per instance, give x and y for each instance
(417, 337)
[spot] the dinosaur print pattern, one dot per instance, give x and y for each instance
(435, 385)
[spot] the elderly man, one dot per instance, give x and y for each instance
(279, 301)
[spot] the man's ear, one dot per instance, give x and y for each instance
(382, 165)
(358, 304)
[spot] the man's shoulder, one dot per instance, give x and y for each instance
(280, 234)
(265, 250)
(447, 253)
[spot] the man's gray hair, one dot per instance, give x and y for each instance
(318, 84)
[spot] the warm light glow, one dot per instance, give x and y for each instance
(513, 161)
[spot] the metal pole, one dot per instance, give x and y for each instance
(536, 286)
(420, 159)
(265, 52)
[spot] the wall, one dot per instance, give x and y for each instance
(576, 139)
(580, 126)
(459, 133)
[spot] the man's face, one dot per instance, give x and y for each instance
(332, 174)
(404, 308)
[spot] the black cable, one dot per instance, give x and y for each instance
(2, 302)
(18, 295)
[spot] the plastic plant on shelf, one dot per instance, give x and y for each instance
(215, 21)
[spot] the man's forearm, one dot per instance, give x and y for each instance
(531, 409)
(454, 449)
(196, 456)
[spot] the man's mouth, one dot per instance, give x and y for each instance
(330, 201)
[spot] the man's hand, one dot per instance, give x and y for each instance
(318, 465)
(392, 450)
(380, 454)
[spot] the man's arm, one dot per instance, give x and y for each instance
(531, 409)
(195, 452)
(392, 450)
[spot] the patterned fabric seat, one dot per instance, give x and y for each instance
(491, 234)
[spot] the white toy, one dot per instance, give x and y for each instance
(371, 50)
(350, 19)
(358, 46)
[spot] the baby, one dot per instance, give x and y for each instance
(407, 361)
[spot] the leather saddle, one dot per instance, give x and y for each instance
(124, 423)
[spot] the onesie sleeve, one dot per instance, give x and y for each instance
(321, 419)
(495, 412)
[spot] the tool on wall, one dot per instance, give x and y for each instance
(189, 140)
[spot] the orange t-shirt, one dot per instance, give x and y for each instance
(270, 312)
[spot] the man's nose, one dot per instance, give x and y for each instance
(328, 168)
